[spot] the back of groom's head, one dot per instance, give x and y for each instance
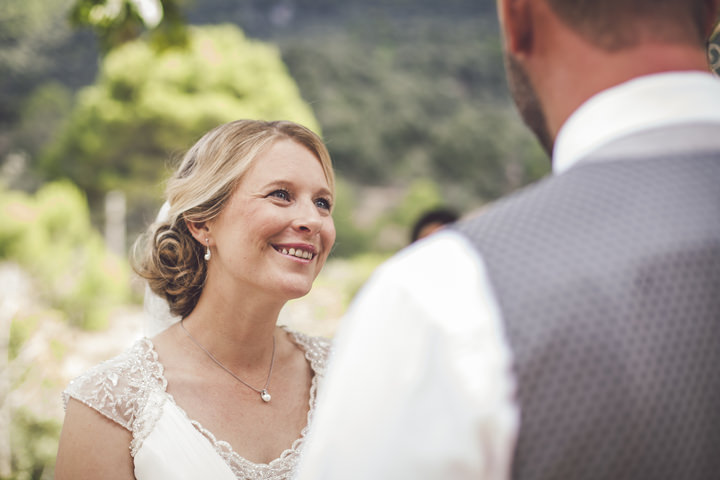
(560, 53)
(616, 24)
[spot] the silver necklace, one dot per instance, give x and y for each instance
(263, 393)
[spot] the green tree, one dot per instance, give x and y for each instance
(41, 60)
(485, 151)
(417, 97)
(49, 235)
(42, 112)
(350, 239)
(34, 442)
(33, 35)
(394, 226)
(150, 105)
(116, 22)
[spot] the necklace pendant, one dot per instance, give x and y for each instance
(265, 396)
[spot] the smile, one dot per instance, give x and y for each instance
(295, 252)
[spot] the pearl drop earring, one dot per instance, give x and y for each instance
(207, 250)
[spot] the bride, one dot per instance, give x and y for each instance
(223, 393)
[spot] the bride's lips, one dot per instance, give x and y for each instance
(297, 250)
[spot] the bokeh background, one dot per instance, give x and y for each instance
(99, 98)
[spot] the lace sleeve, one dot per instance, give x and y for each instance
(119, 387)
(317, 350)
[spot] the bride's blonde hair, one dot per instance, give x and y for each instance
(167, 255)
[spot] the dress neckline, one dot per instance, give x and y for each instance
(237, 463)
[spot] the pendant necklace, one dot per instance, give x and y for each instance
(263, 393)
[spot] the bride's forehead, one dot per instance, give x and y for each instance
(297, 166)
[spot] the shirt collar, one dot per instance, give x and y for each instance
(651, 101)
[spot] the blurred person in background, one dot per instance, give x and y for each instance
(224, 393)
(431, 222)
(573, 329)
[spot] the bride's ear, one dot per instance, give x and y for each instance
(199, 230)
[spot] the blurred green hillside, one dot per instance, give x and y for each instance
(401, 91)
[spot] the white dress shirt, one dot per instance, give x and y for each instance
(421, 384)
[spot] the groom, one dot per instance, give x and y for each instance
(572, 331)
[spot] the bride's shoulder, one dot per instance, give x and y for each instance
(317, 349)
(118, 388)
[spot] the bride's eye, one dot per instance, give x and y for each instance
(281, 194)
(323, 203)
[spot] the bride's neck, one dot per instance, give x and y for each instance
(239, 331)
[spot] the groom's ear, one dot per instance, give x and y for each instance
(516, 18)
(199, 230)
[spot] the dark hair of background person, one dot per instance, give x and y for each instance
(440, 216)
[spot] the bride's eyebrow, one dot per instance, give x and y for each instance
(278, 184)
(325, 192)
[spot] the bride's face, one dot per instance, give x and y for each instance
(275, 233)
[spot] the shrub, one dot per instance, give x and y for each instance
(50, 235)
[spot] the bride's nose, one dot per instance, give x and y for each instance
(307, 220)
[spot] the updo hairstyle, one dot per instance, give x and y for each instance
(167, 255)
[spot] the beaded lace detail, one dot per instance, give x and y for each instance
(130, 390)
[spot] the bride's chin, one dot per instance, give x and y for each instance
(288, 284)
(297, 292)
(289, 288)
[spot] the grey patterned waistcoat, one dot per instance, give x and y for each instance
(608, 278)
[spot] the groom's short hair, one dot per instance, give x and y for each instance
(618, 24)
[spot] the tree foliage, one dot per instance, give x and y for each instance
(116, 22)
(34, 444)
(150, 105)
(49, 234)
(417, 97)
(35, 41)
(402, 90)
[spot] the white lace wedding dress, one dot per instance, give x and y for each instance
(131, 390)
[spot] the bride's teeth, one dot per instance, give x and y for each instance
(296, 252)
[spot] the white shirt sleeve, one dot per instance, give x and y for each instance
(420, 385)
